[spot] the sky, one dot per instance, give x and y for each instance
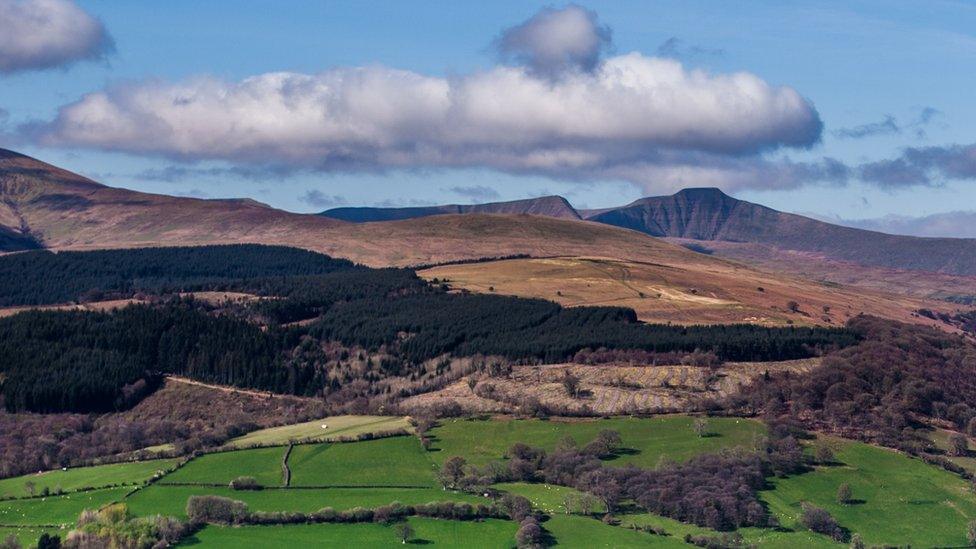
(853, 112)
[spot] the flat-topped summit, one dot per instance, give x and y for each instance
(549, 206)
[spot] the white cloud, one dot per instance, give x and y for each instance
(630, 112)
(556, 40)
(42, 34)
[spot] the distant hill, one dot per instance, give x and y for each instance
(549, 206)
(711, 215)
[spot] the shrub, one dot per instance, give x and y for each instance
(216, 509)
(844, 495)
(819, 520)
(403, 532)
(245, 483)
(529, 534)
(517, 507)
(958, 445)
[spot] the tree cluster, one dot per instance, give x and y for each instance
(881, 389)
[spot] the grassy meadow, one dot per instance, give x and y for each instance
(171, 500)
(645, 440)
(489, 534)
(393, 461)
(97, 476)
(56, 510)
(264, 464)
(335, 427)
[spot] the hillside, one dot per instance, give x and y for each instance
(44, 206)
(550, 206)
(710, 214)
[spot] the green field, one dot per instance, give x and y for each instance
(337, 426)
(27, 535)
(56, 509)
(494, 534)
(644, 440)
(264, 464)
(783, 538)
(393, 461)
(572, 531)
(171, 500)
(86, 477)
(901, 500)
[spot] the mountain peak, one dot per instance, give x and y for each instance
(701, 193)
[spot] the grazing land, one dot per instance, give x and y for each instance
(171, 500)
(264, 464)
(489, 534)
(393, 461)
(98, 476)
(896, 499)
(320, 430)
(645, 441)
(56, 510)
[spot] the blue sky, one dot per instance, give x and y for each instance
(881, 76)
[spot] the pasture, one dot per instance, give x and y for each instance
(335, 427)
(393, 461)
(264, 464)
(56, 510)
(171, 500)
(897, 499)
(489, 534)
(645, 440)
(98, 476)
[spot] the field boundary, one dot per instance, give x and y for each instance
(284, 465)
(323, 487)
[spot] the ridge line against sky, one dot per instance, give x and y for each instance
(601, 103)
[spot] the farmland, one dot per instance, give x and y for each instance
(394, 461)
(645, 440)
(87, 477)
(897, 499)
(320, 430)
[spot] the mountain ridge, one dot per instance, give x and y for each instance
(549, 206)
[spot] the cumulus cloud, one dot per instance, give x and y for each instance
(630, 111)
(923, 166)
(554, 41)
(43, 34)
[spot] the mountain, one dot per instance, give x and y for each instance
(44, 206)
(549, 206)
(575, 261)
(709, 214)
